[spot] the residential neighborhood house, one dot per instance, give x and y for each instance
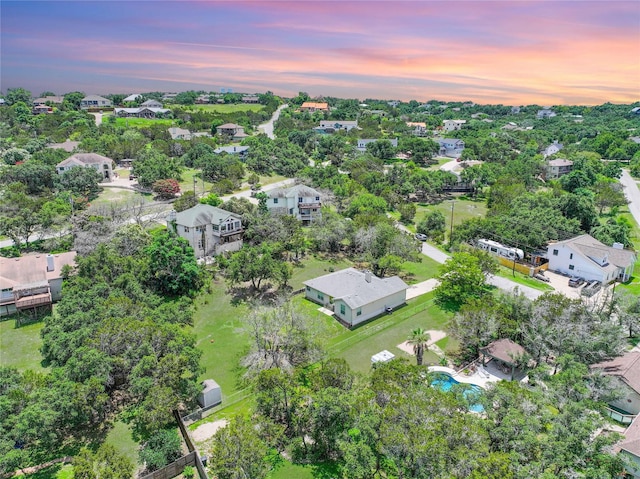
(101, 164)
(331, 126)
(209, 230)
(241, 151)
(452, 125)
(31, 281)
(626, 371)
(558, 167)
(545, 113)
(552, 149)
(232, 131)
(67, 146)
(48, 100)
(250, 99)
(131, 98)
(417, 128)
(451, 147)
(629, 449)
(179, 133)
(363, 142)
(300, 201)
(95, 101)
(151, 104)
(313, 106)
(142, 112)
(586, 257)
(356, 296)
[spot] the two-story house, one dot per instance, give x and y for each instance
(241, 151)
(451, 147)
(331, 126)
(95, 101)
(363, 142)
(313, 106)
(300, 201)
(231, 131)
(552, 149)
(452, 125)
(545, 113)
(558, 167)
(32, 281)
(586, 257)
(418, 128)
(101, 164)
(209, 230)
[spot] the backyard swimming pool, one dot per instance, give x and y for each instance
(445, 382)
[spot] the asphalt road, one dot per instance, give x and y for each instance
(267, 128)
(632, 193)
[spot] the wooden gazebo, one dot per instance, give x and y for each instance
(505, 351)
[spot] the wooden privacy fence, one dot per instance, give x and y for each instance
(173, 469)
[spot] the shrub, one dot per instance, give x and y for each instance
(166, 189)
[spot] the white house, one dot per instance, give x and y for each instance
(552, 149)
(31, 281)
(301, 201)
(418, 128)
(131, 98)
(626, 370)
(363, 142)
(558, 167)
(151, 104)
(545, 113)
(209, 230)
(101, 164)
(95, 101)
(232, 131)
(586, 257)
(356, 296)
(452, 125)
(452, 147)
(178, 133)
(241, 151)
(142, 112)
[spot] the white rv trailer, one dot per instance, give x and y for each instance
(500, 249)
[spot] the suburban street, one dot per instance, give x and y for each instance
(267, 128)
(632, 193)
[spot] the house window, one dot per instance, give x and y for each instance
(571, 256)
(555, 252)
(223, 228)
(300, 199)
(200, 244)
(321, 296)
(186, 229)
(571, 267)
(237, 224)
(215, 227)
(359, 312)
(317, 198)
(275, 201)
(342, 308)
(307, 288)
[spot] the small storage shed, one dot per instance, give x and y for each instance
(211, 394)
(382, 357)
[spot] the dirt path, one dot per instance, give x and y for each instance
(204, 432)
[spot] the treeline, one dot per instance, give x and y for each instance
(116, 345)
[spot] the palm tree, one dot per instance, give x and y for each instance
(419, 339)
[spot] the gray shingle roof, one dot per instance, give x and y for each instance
(85, 159)
(201, 215)
(350, 286)
(591, 248)
(293, 192)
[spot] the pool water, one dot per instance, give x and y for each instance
(445, 382)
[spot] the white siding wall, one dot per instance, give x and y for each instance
(583, 267)
(630, 402)
(370, 310)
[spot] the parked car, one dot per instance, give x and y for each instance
(575, 281)
(421, 237)
(541, 277)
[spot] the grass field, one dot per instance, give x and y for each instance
(57, 471)
(20, 347)
(463, 209)
(632, 286)
(520, 278)
(139, 122)
(120, 438)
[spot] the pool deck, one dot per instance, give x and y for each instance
(482, 376)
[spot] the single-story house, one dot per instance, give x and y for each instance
(451, 147)
(250, 99)
(626, 370)
(131, 98)
(31, 281)
(558, 167)
(209, 230)
(636, 110)
(40, 109)
(179, 133)
(356, 296)
(586, 257)
(142, 112)
(300, 201)
(363, 142)
(67, 146)
(95, 101)
(629, 449)
(101, 164)
(331, 126)
(151, 104)
(452, 125)
(48, 100)
(241, 151)
(313, 106)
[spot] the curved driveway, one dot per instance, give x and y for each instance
(632, 193)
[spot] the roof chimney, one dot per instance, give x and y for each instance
(618, 246)
(367, 276)
(50, 264)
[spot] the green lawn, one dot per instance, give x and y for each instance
(417, 272)
(314, 266)
(632, 286)
(120, 438)
(187, 181)
(441, 160)
(464, 208)
(20, 347)
(523, 279)
(110, 195)
(57, 471)
(231, 108)
(139, 122)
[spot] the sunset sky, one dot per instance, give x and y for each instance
(509, 52)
